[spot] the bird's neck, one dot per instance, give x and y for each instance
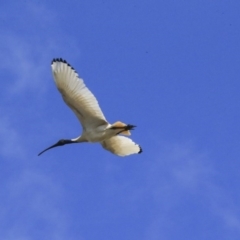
(79, 139)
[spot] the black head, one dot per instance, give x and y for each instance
(59, 143)
(62, 142)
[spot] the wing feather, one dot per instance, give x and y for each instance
(76, 95)
(121, 146)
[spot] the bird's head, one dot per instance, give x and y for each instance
(61, 142)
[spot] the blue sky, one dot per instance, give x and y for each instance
(169, 67)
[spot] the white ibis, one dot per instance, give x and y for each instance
(95, 127)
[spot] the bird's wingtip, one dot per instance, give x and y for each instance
(140, 149)
(58, 60)
(55, 60)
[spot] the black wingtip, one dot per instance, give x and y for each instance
(140, 150)
(63, 61)
(59, 60)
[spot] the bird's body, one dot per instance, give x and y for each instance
(97, 134)
(95, 127)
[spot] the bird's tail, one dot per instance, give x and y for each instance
(124, 127)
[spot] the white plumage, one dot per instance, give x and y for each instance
(121, 146)
(83, 103)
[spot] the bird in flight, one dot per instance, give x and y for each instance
(95, 127)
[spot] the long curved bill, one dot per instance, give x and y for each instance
(53, 146)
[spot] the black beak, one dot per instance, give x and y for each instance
(53, 146)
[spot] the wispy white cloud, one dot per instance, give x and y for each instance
(181, 173)
(11, 144)
(33, 208)
(23, 71)
(26, 53)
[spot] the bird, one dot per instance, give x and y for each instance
(95, 127)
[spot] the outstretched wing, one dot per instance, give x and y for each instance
(121, 146)
(76, 95)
